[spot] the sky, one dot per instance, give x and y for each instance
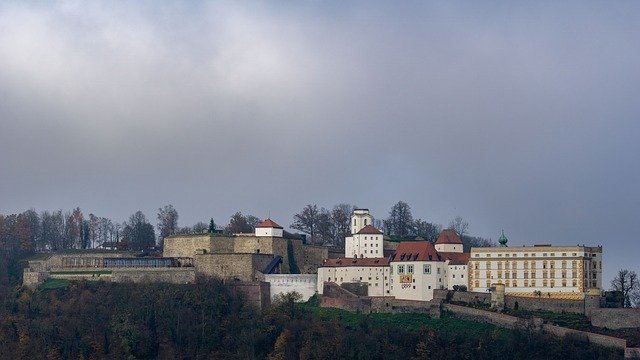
(516, 116)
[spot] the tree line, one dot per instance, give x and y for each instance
(205, 321)
(31, 231)
(330, 227)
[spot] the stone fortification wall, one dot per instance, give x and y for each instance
(248, 244)
(55, 261)
(186, 245)
(602, 340)
(395, 306)
(338, 297)
(502, 320)
(304, 284)
(153, 275)
(255, 293)
(243, 267)
(615, 318)
(32, 279)
(461, 296)
(527, 303)
(313, 257)
(356, 288)
(222, 244)
(555, 305)
(512, 322)
(270, 245)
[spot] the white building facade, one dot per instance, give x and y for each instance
(373, 271)
(269, 228)
(416, 270)
(365, 241)
(542, 270)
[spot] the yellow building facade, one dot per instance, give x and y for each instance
(566, 272)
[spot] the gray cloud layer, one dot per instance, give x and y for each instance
(522, 117)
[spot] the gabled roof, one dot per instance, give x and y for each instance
(456, 258)
(416, 251)
(448, 236)
(343, 262)
(269, 224)
(369, 230)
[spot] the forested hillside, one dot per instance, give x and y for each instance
(116, 321)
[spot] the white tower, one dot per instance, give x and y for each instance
(365, 241)
(269, 228)
(359, 219)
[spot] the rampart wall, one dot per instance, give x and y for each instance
(313, 257)
(615, 318)
(153, 275)
(392, 305)
(462, 296)
(255, 293)
(55, 260)
(584, 306)
(555, 305)
(240, 267)
(602, 340)
(186, 245)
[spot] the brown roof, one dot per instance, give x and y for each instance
(456, 258)
(268, 224)
(369, 229)
(448, 236)
(356, 262)
(416, 251)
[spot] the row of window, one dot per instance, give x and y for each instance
(526, 275)
(532, 283)
(527, 264)
(532, 255)
(426, 269)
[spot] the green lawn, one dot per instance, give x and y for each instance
(51, 284)
(570, 320)
(446, 324)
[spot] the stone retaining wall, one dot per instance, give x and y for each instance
(601, 340)
(498, 319)
(615, 318)
(151, 275)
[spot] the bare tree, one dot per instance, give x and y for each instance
(627, 282)
(324, 227)
(400, 220)
(253, 221)
(238, 224)
(138, 232)
(167, 222)
(426, 230)
(307, 221)
(459, 225)
(199, 228)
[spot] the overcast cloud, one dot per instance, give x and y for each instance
(523, 117)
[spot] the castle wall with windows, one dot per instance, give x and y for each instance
(541, 270)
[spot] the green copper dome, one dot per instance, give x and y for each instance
(503, 240)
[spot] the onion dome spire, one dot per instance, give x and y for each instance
(503, 240)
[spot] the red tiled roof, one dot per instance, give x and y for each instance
(268, 224)
(416, 251)
(448, 236)
(342, 262)
(456, 258)
(369, 229)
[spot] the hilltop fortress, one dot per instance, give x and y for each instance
(408, 270)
